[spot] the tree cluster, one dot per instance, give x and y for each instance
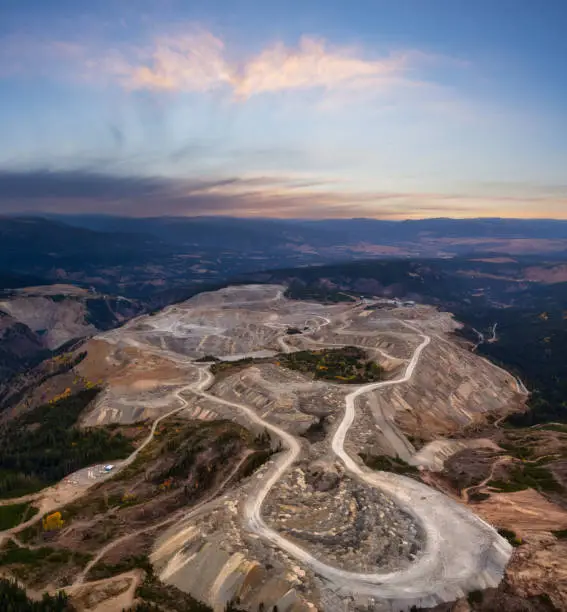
(44, 445)
(14, 599)
(348, 364)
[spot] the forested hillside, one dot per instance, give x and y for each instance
(42, 446)
(14, 599)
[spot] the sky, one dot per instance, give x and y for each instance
(304, 108)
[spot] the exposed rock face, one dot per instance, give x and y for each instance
(18, 346)
(35, 321)
(539, 568)
(55, 322)
(57, 318)
(354, 528)
(286, 395)
(451, 389)
(219, 565)
(439, 455)
(536, 581)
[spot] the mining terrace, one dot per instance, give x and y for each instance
(315, 527)
(342, 393)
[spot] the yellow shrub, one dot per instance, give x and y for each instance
(52, 522)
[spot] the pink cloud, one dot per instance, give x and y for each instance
(199, 61)
(312, 64)
(194, 62)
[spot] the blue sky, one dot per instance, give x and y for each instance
(378, 108)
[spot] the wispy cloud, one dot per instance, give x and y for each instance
(199, 61)
(265, 196)
(194, 62)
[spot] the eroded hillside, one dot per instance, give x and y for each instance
(37, 323)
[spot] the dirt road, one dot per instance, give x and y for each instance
(462, 552)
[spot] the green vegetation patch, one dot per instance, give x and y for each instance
(178, 444)
(186, 457)
(206, 359)
(517, 448)
(40, 565)
(554, 427)
(14, 598)
(531, 343)
(44, 445)
(511, 536)
(384, 463)
(230, 367)
(254, 462)
(478, 496)
(14, 554)
(475, 597)
(159, 597)
(347, 364)
(316, 293)
(561, 534)
(528, 475)
(222, 439)
(103, 570)
(504, 486)
(14, 514)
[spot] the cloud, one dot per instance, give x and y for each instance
(312, 65)
(265, 196)
(199, 61)
(194, 62)
(525, 188)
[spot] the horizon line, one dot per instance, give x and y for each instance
(48, 215)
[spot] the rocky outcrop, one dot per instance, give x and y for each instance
(19, 346)
(36, 321)
(452, 389)
(54, 321)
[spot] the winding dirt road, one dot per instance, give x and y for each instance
(462, 552)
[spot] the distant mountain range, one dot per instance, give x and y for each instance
(277, 233)
(141, 257)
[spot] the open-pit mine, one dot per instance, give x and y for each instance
(315, 526)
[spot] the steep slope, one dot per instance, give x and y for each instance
(20, 347)
(37, 323)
